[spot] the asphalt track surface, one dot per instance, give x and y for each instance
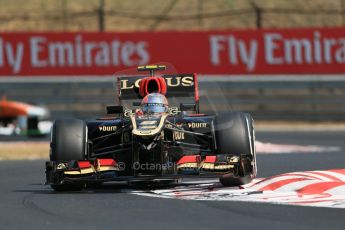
(25, 203)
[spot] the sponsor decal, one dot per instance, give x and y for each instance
(196, 125)
(107, 128)
(70, 50)
(273, 51)
(137, 131)
(299, 48)
(128, 112)
(61, 166)
(178, 135)
(179, 81)
(170, 81)
(174, 110)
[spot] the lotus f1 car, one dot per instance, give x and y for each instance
(157, 134)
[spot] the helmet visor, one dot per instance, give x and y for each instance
(154, 108)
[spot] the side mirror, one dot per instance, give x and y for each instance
(187, 107)
(115, 109)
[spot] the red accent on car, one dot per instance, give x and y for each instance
(142, 86)
(210, 159)
(189, 159)
(163, 85)
(159, 86)
(84, 164)
(196, 87)
(106, 162)
(139, 112)
(152, 85)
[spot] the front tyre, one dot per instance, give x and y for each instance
(68, 142)
(251, 131)
(234, 132)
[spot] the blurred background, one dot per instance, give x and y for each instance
(292, 91)
(166, 15)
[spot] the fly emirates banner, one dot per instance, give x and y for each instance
(284, 51)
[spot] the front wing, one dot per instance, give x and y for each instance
(105, 170)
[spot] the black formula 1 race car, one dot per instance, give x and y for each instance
(156, 135)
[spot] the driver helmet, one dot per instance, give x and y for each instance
(154, 103)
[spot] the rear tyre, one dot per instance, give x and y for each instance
(68, 142)
(234, 132)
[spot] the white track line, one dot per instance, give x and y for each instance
(270, 148)
(331, 185)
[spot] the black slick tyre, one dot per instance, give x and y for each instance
(234, 133)
(68, 142)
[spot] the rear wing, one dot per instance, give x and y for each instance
(180, 88)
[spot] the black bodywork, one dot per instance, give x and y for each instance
(182, 135)
(157, 155)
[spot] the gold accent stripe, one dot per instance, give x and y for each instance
(188, 165)
(72, 173)
(149, 127)
(81, 171)
(87, 171)
(148, 122)
(209, 166)
(107, 168)
(222, 167)
(139, 132)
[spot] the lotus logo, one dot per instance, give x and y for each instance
(170, 81)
